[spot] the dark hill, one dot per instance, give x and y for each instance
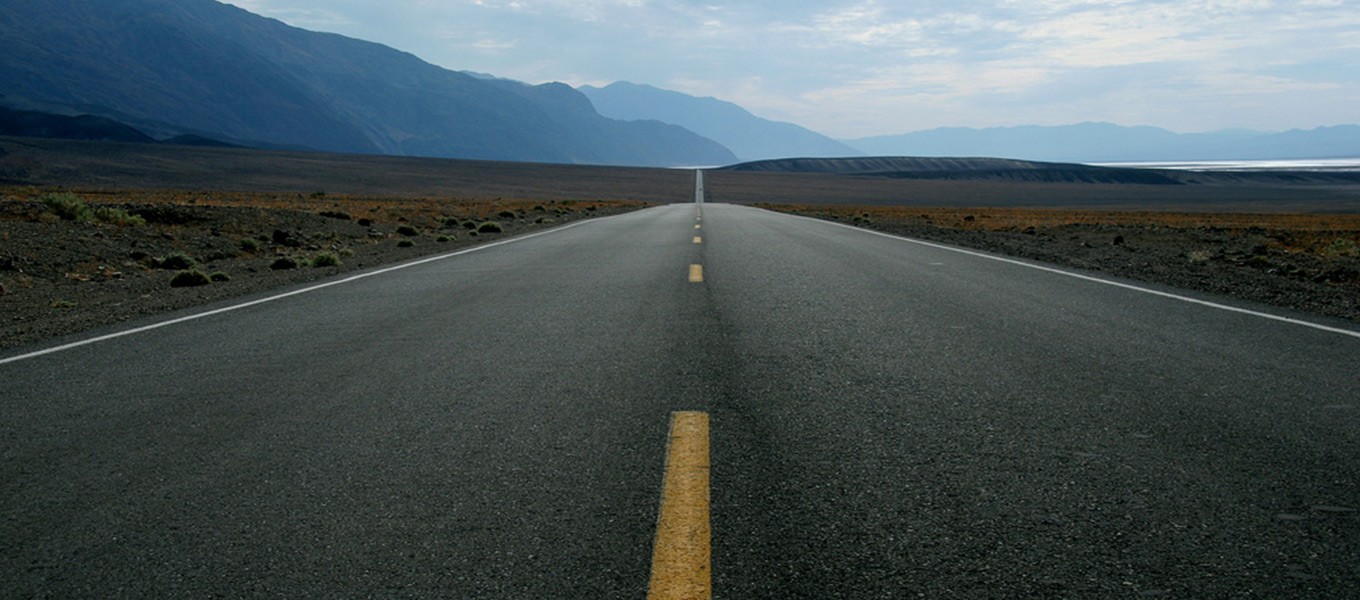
(963, 169)
(1009, 170)
(28, 123)
(170, 67)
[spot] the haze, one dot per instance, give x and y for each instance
(853, 69)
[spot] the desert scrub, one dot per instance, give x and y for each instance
(489, 227)
(335, 214)
(405, 244)
(176, 261)
(325, 259)
(71, 208)
(191, 278)
(505, 214)
(219, 276)
(68, 207)
(117, 216)
(249, 245)
(1341, 247)
(407, 231)
(283, 263)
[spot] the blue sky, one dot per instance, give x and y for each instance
(858, 68)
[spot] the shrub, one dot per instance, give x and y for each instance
(335, 214)
(249, 245)
(68, 207)
(407, 231)
(117, 216)
(489, 227)
(325, 259)
(470, 224)
(451, 222)
(177, 261)
(405, 244)
(365, 222)
(505, 214)
(283, 263)
(219, 276)
(443, 238)
(190, 278)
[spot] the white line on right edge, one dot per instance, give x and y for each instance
(1245, 311)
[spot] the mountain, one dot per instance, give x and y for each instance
(746, 135)
(171, 67)
(1104, 142)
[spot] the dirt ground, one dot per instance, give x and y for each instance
(1306, 262)
(64, 275)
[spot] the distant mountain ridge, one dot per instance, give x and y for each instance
(170, 67)
(746, 135)
(1027, 171)
(1105, 142)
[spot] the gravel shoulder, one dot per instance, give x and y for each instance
(60, 276)
(1304, 262)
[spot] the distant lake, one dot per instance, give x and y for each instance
(1319, 164)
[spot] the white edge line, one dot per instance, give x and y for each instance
(225, 309)
(1245, 311)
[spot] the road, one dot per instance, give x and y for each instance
(887, 419)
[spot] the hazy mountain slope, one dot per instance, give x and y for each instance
(1104, 142)
(214, 68)
(746, 135)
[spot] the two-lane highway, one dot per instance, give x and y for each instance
(887, 419)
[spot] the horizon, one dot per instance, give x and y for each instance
(856, 69)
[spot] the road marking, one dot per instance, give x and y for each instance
(979, 254)
(696, 273)
(698, 240)
(681, 554)
(697, 226)
(305, 290)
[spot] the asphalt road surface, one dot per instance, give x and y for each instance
(887, 419)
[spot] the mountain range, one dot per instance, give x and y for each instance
(1105, 142)
(203, 72)
(746, 135)
(172, 67)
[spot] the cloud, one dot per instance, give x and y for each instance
(856, 67)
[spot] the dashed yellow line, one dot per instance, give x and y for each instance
(697, 226)
(696, 273)
(681, 555)
(698, 240)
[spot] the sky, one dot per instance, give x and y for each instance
(853, 69)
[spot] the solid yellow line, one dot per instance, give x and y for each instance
(698, 240)
(681, 556)
(696, 273)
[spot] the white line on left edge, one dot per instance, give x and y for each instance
(218, 311)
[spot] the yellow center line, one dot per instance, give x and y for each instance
(696, 273)
(681, 555)
(698, 240)
(697, 226)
